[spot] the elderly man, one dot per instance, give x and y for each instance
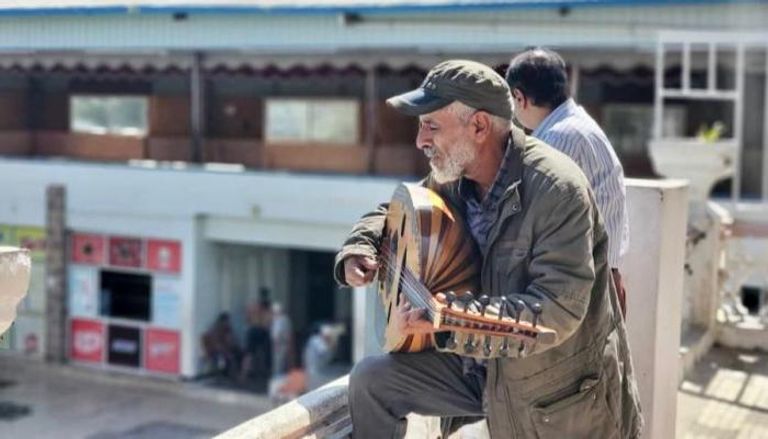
(533, 215)
(539, 85)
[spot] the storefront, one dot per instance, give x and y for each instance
(125, 302)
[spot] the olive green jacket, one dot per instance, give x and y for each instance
(547, 245)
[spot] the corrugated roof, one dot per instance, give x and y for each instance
(69, 7)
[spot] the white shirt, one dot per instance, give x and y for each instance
(572, 131)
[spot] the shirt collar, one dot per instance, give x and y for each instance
(501, 182)
(565, 109)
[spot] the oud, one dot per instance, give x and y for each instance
(428, 257)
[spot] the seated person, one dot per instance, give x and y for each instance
(221, 349)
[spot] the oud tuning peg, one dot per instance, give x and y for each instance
(503, 306)
(484, 301)
(469, 345)
(451, 342)
(467, 299)
(519, 308)
(536, 310)
(504, 349)
(487, 346)
(450, 297)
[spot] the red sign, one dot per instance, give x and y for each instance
(161, 350)
(164, 255)
(87, 249)
(125, 252)
(87, 340)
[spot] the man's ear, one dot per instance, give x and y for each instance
(481, 125)
(519, 98)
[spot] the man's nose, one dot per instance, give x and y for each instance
(423, 140)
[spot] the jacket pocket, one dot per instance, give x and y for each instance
(579, 411)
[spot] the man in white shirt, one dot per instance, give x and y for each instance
(539, 84)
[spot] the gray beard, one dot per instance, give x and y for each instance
(454, 164)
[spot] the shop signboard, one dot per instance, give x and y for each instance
(125, 252)
(87, 340)
(7, 235)
(83, 291)
(32, 238)
(161, 350)
(164, 256)
(124, 345)
(87, 248)
(166, 302)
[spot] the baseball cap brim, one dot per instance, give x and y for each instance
(418, 102)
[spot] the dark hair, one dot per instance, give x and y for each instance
(540, 75)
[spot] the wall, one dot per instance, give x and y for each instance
(653, 275)
(89, 146)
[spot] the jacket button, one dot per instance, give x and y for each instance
(546, 419)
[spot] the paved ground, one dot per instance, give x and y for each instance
(44, 401)
(725, 397)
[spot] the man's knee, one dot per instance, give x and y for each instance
(368, 372)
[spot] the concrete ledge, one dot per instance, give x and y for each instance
(694, 344)
(749, 334)
(323, 413)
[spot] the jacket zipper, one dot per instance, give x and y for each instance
(507, 398)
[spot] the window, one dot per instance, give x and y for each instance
(96, 114)
(629, 126)
(333, 121)
(125, 295)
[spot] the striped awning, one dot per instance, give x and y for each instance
(270, 62)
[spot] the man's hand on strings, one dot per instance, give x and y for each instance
(411, 321)
(359, 270)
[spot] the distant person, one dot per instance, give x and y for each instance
(221, 349)
(539, 84)
(257, 359)
(319, 353)
(281, 331)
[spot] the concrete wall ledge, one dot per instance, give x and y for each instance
(322, 413)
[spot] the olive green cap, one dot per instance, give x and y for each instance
(469, 82)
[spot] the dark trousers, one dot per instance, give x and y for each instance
(384, 389)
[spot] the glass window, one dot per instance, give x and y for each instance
(121, 115)
(332, 121)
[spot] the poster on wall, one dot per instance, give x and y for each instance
(7, 235)
(125, 252)
(87, 249)
(124, 346)
(87, 340)
(164, 256)
(29, 334)
(166, 302)
(32, 238)
(161, 350)
(83, 291)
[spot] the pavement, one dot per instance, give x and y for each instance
(726, 396)
(39, 400)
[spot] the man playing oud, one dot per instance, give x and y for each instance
(532, 213)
